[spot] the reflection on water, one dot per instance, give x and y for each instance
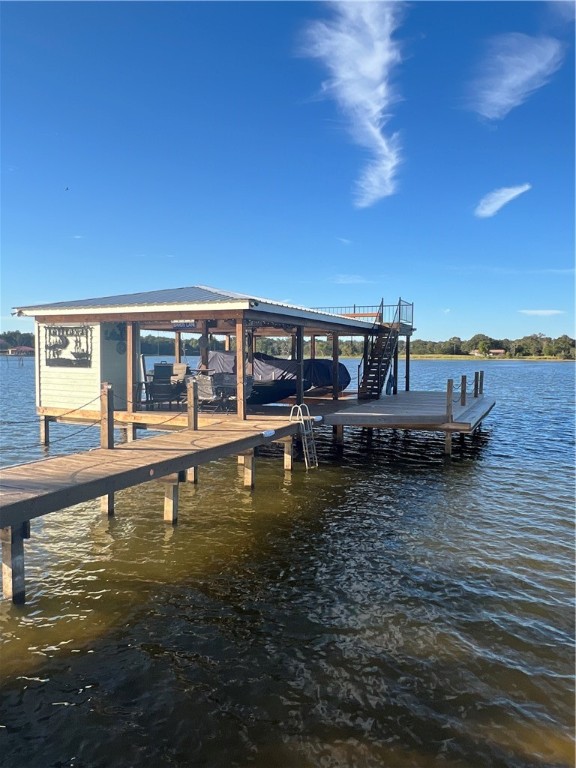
(394, 608)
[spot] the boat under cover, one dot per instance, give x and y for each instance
(275, 378)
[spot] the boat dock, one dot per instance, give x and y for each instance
(89, 369)
(32, 490)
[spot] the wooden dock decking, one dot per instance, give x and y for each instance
(28, 491)
(31, 490)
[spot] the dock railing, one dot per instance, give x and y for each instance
(462, 394)
(383, 314)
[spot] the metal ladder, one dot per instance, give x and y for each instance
(301, 414)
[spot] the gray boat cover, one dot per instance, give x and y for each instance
(317, 373)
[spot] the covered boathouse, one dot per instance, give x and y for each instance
(82, 343)
(88, 369)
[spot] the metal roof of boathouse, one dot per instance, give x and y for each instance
(195, 298)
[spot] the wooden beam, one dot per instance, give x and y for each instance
(407, 363)
(106, 416)
(192, 403)
(289, 454)
(240, 372)
(249, 468)
(335, 377)
(107, 504)
(177, 347)
(131, 345)
(13, 576)
(300, 365)
(171, 493)
(45, 430)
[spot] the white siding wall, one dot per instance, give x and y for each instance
(113, 360)
(67, 387)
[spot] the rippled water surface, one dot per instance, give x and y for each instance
(393, 608)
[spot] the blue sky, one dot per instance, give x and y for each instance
(322, 154)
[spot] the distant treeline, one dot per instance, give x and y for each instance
(535, 345)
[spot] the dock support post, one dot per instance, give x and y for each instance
(481, 385)
(107, 437)
(12, 538)
(192, 403)
(299, 365)
(463, 385)
(335, 366)
(45, 430)
(476, 383)
(131, 433)
(249, 468)
(288, 454)
(407, 363)
(449, 396)
(240, 370)
(448, 443)
(395, 371)
(338, 430)
(171, 493)
(192, 408)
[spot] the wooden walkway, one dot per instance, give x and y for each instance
(31, 490)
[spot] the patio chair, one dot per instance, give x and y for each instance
(210, 396)
(161, 390)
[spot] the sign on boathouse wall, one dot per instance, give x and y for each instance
(68, 346)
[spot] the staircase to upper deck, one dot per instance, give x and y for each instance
(381, 348)
(390, 321)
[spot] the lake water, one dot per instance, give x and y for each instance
(393, 608)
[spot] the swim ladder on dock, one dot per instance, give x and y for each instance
(301, 414)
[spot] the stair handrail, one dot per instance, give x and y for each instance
(377, 321)
(392, 335)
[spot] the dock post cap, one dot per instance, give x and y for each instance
(318, 419)
(268, 433)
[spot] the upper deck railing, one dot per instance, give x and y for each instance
(384, 314)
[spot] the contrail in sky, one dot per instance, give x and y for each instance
(357, 48)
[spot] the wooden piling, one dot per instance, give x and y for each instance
(107, 437)
(192, 403)
(171, 493)
(13, 581)
(249, 468)
(45, 430)
(106, 416)
(449, 396)
(288, 454)
(463, 385)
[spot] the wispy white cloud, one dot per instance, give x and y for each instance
(447, 311)
(349, 279)
(541, 312)
(493, 201)
(515, 65)
(344, 240)
(357, 48)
